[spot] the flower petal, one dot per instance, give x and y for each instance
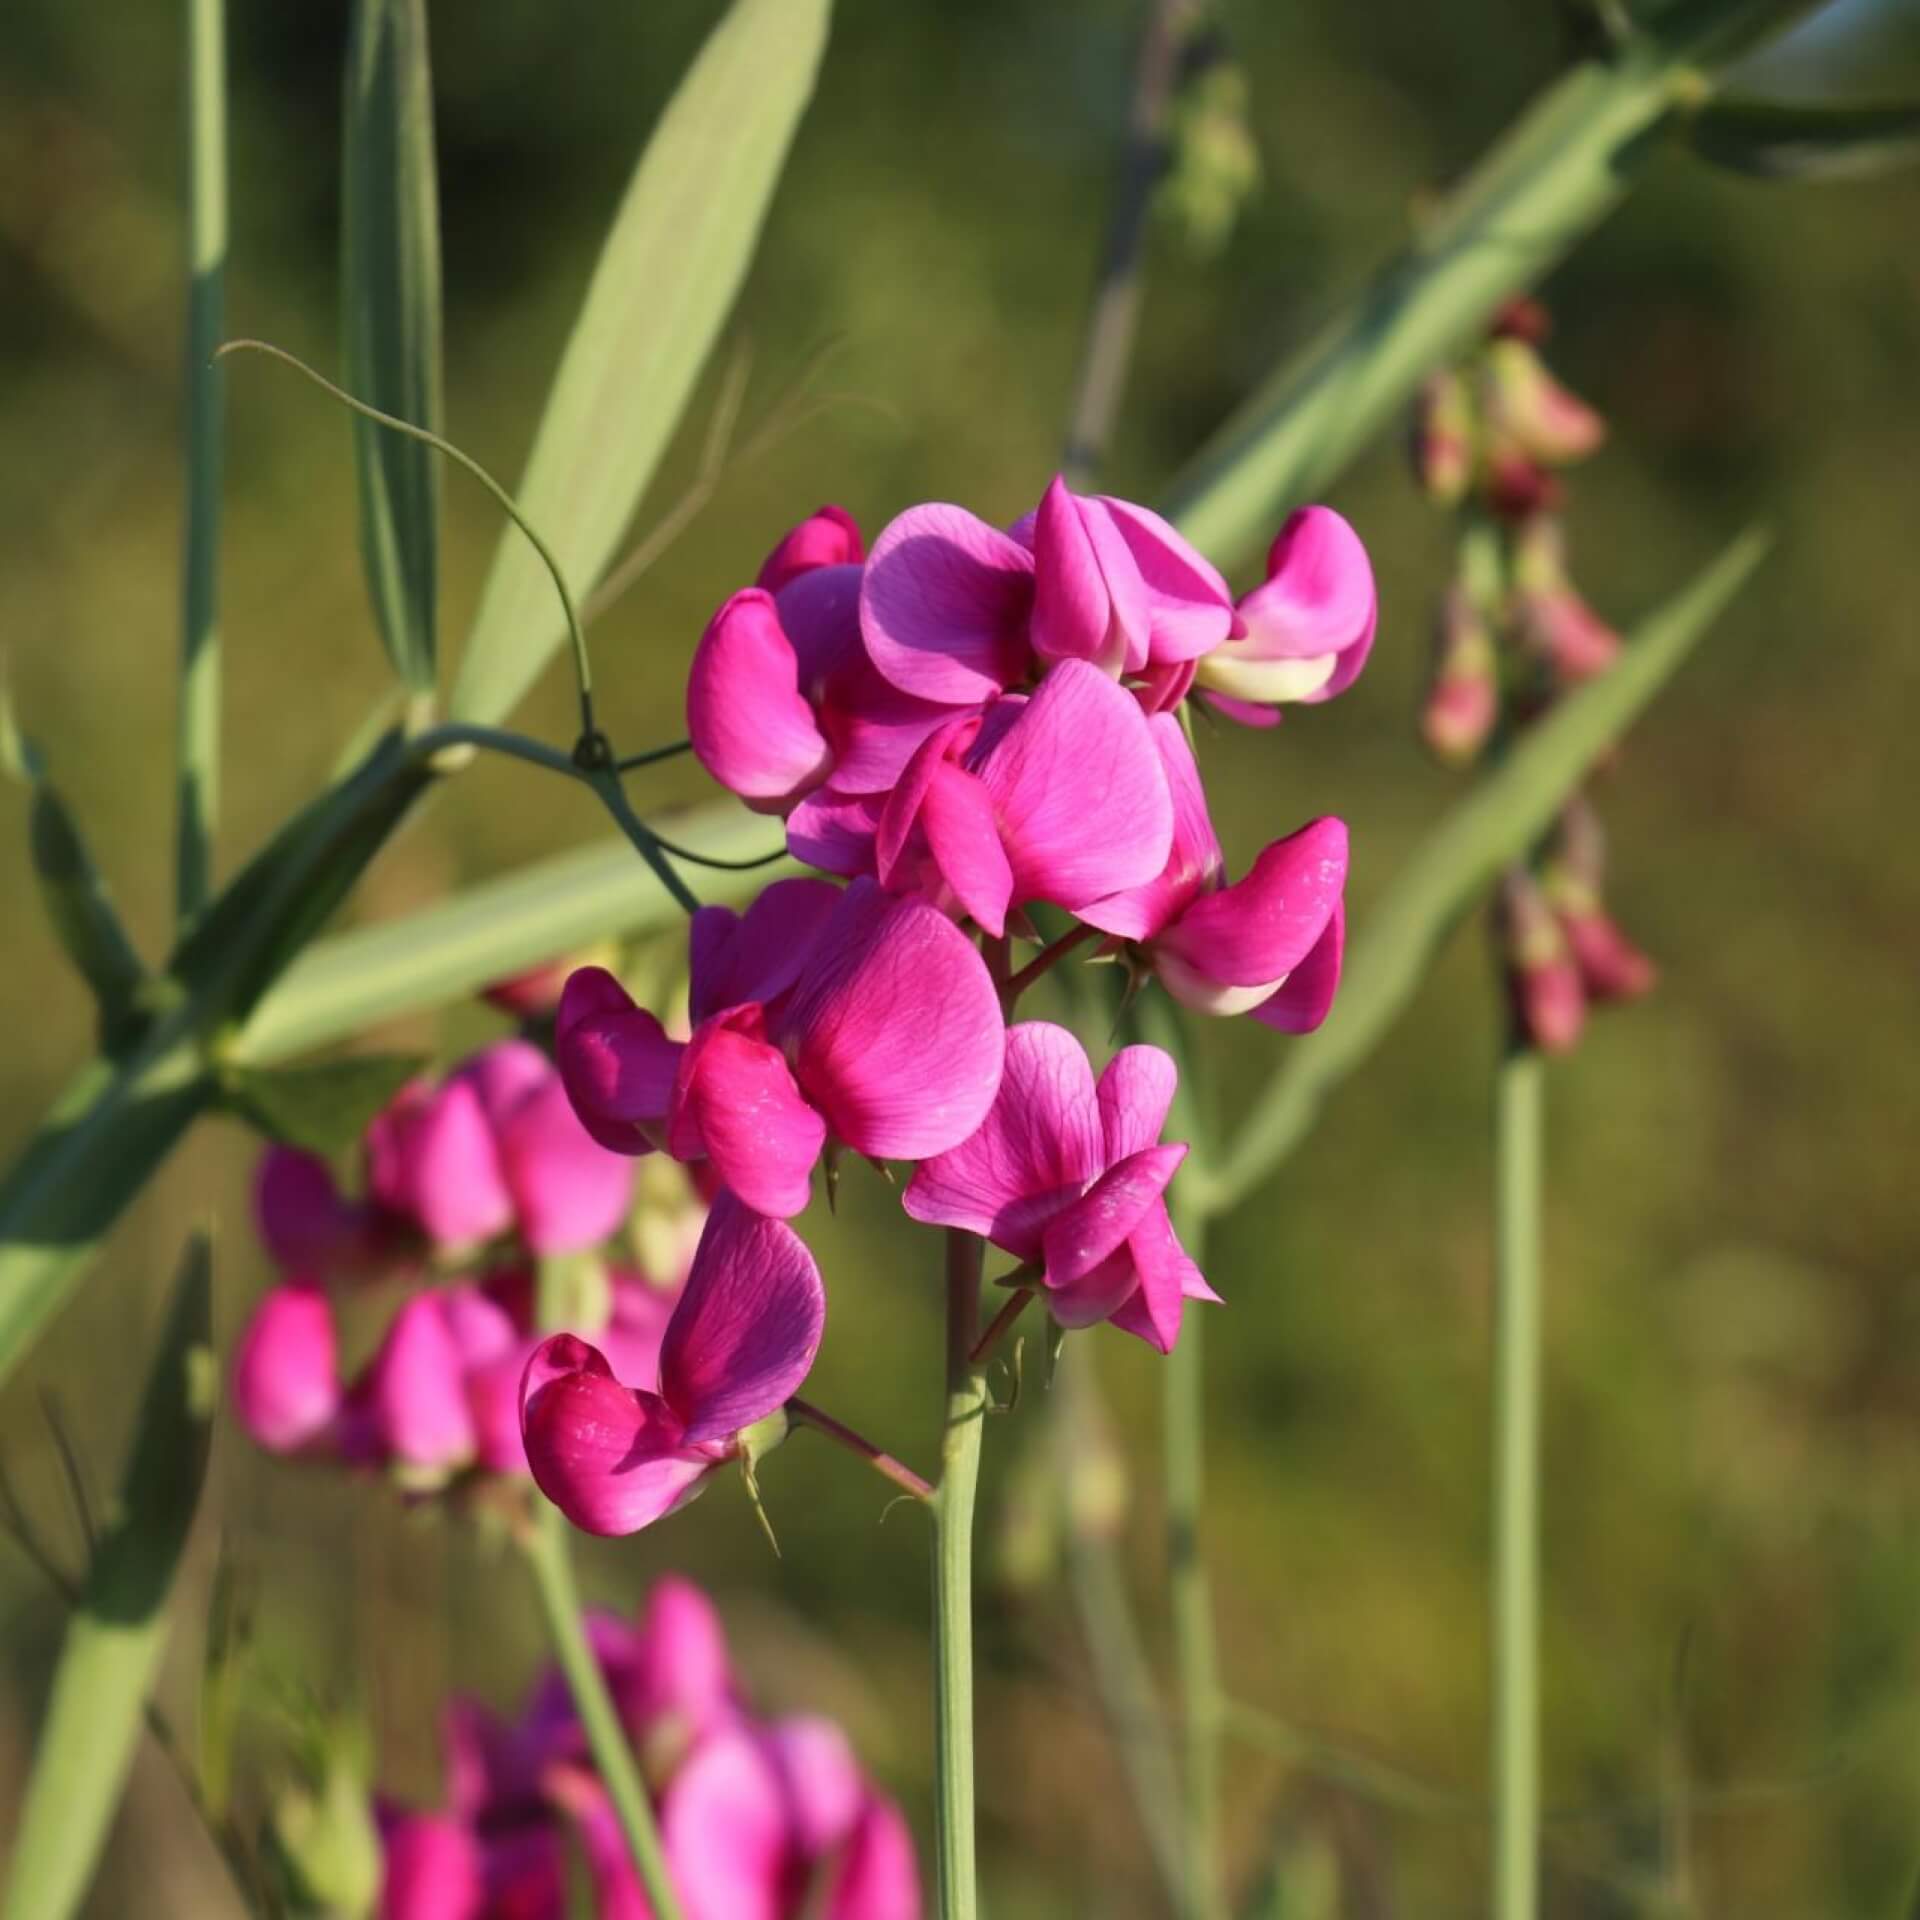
(569, 1192)
(747, 1328)
(1136, 1089)
(306, 1225)
(415, 1390)
(736, 1103)
(1168, 1279)
(1318, 596)
(680, 1669)
(1189, 605)
(751, 727)
(1305, 997)
(895, 1028)
(609, 1457)
(1079, 1237)
(724, 1824)
(1194, 861)
(456, 1187)
(828, 536)
(1036, 1150)
(944, 604)
(615, 1060)
(1262, 927)
(815, 1762)
(286, 1371)
(878, 1877)
(835, 831)
(733, 957)
(963, 836)
(430, 1869)
(1089, 602)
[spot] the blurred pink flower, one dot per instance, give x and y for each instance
(1070, 1175)
(286, 1369)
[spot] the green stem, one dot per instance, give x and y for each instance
(1518, 1131)
(198, 721)
(547, 1554)
(953, 1583)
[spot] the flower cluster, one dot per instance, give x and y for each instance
(1512, 634)
(760, 1820)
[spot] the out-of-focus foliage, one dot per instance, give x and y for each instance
(1734, 1356)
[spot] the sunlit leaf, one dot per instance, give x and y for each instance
(321, 1105)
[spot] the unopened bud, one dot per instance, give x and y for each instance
(1612, 968)
(1463, 703)
(1527, 408)
(1552, 619)
(1443, 437)
(535, 993)
(1522, 318)
(1544, 987)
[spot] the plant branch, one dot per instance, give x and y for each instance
(805, 1414)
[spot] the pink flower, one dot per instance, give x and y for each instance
(1269, 945)
(993, 813)
(1069, 1175)
(873, 1023)
(1529, 412)
(1611, 967)
(615, 1458)
(1551, 617)
(1545, 993)
(286, 1374)
(1306, 632)
(827, 537)
(431, 1869)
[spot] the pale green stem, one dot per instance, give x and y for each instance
(1519, 1120)
(198, 723)
(547, 1554)
(953, 1583)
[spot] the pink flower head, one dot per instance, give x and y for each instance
(882, 1030)
(615, 1458)
(1269, 944)
(286, 1369)
(1069, 1175)
(1306, 632)
(1058, 797)
(431, 1869)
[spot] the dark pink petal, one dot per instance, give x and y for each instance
(724, 1823)
(1079, 752)
(1136, 1089)
(286, 1369)
(820, 614)
(680, 1671)
(747, 1328)
(504, 1074)
(1244, 713)
(579, 1794)
(387, 1147)
(821, 1779)
(636, 1326)
(835, 831)
(1079, 1237)
(611, 1458)
(750, 725)
(615, 1061)
(1089, 602)
(1194, 862)
(1038, 1147)
(1189, 605)
(757, 955)
(1096, 1295)
(963, 837)
(457, 1189)
(568, 1191)
(895, 1027)
(900, 814)
(430, 1870)
(944, 604)
(1305, 998)
(1259, 929)
(1310, 627)
(878, 1877)
(304, 1222)
(415, 1390)
(736, 1103)
(828, 536)
(873, 726)
(1168, 1279)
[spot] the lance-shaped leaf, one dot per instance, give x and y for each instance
(1454, 867)
(390, 277)
(72, 888)
(321, 1105)
(115, 1637)
(1806, 141)
(667, 276)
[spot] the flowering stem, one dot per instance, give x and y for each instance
(1043, 963)
(953, 1582)
(805, 1414)
(1519, 1121)
(547, 1555)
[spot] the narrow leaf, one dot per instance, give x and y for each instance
(115, 1638)
(1455, 865)
(321, 1105)
(1784, 140)
(674, 260)
(390, 277)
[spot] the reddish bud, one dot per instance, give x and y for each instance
(1443, 437)
(1544, 987)
(1463, 702)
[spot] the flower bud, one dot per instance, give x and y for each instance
(1551, 618)
(1527, 408)
(1522, 318)
(286, 1381)
(1463, 703)
(1544, 986)
(1443, 437)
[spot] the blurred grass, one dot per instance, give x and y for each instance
(1734, 1329)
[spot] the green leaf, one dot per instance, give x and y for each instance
(321, 1105)
(73, 891)
(674, 260)
(1782, 140)
(115, 1638)
(492, 931)
(390, 278)
(1454, 867)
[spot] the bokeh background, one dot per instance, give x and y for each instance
(1733, 1416)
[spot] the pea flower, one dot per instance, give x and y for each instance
(1269, 945)
(821, 1015)
(615, 1458)
(1068, 1175)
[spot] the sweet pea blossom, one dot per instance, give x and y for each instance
(820, 1015)
(493, 1148)
(1068, 1175)
(615, 1458)
(1269, 945)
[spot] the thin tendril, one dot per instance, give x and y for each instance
(708, 860)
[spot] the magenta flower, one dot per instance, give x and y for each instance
(863, 1019)
(827, 537)
(616, 1458)
(1270, 944)
(1305, 633)
(1068, 1175)
(286, 1369)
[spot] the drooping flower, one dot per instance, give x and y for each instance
(1305, 633)
(1551, 617)
(1069, 1175)
(614, 1458)
(880, 1030)
(1269, 945)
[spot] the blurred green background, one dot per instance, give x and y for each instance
(1733, 1474)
